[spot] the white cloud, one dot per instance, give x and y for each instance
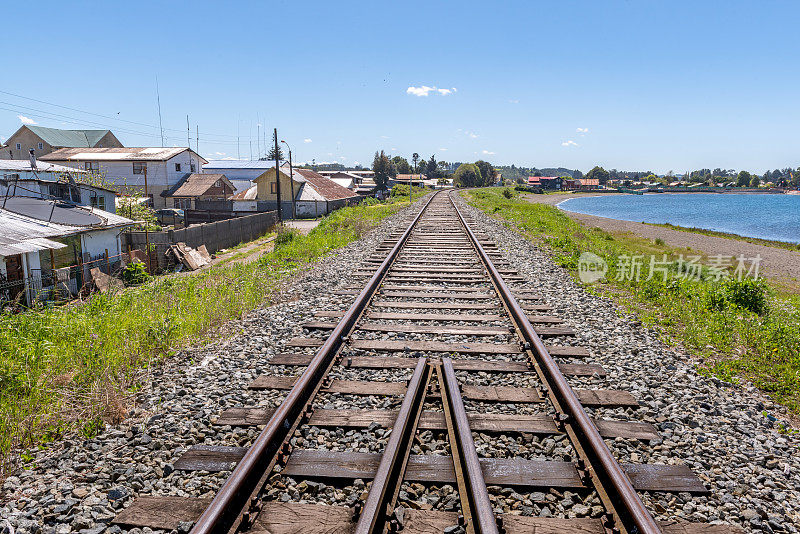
(384, 137)
(230, 158)
(512, 101)
(487, 152)
(425, 90)
(569, 143)
(306, 140)
(442, 149)
(223, 154)
(472, 135)
(25, 120)
(393, 150)
(582, 131)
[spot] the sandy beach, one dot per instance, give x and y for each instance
(778, 264)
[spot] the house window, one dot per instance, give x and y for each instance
(19, 146)
(98, 202)
(177, 167)
(273, 188)
(91, 166)
(139, 167)
(41, 146)
(191, 166)
(218, 183)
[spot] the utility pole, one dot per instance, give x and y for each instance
(197, 142)
(146, 233)
(291, 178)
(188, 139)
(277, 174)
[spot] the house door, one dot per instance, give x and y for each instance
(15, 273)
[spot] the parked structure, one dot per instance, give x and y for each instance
(50, 181)
(44, 243)
(582, 184)
(126, 168)
(245, 200)
(241, 173)
(46, 140)
(185, 194)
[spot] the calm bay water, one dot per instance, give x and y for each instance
(774, 217)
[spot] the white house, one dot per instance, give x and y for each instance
(127, 168)
(43, 240)
(241, 173)
(50, 181)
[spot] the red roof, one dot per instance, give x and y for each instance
(538, 179)
(325, 186)
(590, 181)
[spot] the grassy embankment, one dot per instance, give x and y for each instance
(740, 330)
(74, 367)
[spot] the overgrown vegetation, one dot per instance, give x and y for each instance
(740, 329)
(71, 368)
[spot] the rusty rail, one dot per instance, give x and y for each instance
(628, 509)
(386, 485)
(231, 504)
(475, 505)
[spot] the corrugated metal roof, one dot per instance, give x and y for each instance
(117, 154)
(68, 138)
(248, 194)
(238, 164)
(29, 245)
(41, 166)
(326, 187)
(195, 185)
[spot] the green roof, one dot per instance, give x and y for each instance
(69, 138)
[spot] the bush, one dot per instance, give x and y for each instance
(285, 236)
(400, 190)
(747, 293)
(507, 193)
(135, 274)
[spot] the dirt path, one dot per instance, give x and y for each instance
(778, 264)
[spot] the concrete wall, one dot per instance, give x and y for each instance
(214, 236)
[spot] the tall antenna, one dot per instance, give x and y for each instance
(238, 147)
(258, 135)
(197, 143)
(158, 100)
(188, 142)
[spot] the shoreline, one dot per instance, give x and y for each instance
(780, 264)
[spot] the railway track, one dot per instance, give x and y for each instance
(438, 402)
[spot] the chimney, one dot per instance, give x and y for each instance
(33, 160)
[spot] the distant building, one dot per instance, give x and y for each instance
(546, 182)
(241, 173)
(314, 194)
(46, 140)
(43, 241)
(126, 168)
(405, 179)
(185, 194)
(50, 181)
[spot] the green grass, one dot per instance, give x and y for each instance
(717, 320)
(74, 367)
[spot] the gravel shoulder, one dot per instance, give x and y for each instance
(778, 264)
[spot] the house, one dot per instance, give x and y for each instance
(417, 179)
(241, 173)
(198, 186)
(245, 200)
(26, 178)
(314, 194)
(46, 140)
(588, 183)
(44, 241)
(128, 168)
(346, 179)
(546, 182)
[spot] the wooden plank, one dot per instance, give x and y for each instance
(435, 346)
(501, 394)
(437, 295)
(415, 328)
(567, 351)
(297, 518)
(519, 524)
(461, 317)
(605, 397)
(161, 512)
(349, 387)
(399, 362)
(479, 422)
(581, 369)
(390, 287)
(436, 305)
(211, 458)
(660, 477)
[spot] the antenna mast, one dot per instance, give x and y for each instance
(158, 100)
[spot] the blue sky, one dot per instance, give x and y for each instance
(651, 85)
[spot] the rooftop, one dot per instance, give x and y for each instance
(238, 164)
(195, 185)
(117, 154)
(68, 138)
(21, 165)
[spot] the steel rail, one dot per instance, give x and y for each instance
(627, 506)
(225, 512)
(382, 495)
(475, 505)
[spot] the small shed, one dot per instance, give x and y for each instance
(194, 187)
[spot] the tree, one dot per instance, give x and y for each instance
(467, 175)
(384, 170)
(598, 172)
(271, 154)
(423, 167)
(402, 165)
(487, 172)
(755, 181)
(743, 179)
(432, 168)
(415, 160)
